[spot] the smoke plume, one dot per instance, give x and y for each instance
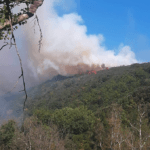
(66, 45)
(66, 49)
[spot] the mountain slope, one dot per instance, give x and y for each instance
(107, 110)
(94, 91)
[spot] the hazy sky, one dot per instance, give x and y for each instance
(74, 31)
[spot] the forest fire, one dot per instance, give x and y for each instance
(90, 72)
(82, 68)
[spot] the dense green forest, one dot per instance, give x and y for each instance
(109, 110)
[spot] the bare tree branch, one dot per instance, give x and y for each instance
(134, 127)
(40, 41)
(22, 74)
(4, 46)
(15, 85)
(13, 37)
(9, 23)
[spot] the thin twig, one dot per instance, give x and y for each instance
(34, 25)
(10, 42)
(21, 91)
(3, 46)
(13, 87)
(41, 36)
(134, 127)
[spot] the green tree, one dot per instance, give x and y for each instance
(78, 123)
(7, 133)
(75, 121)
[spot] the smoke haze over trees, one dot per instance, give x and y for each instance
(107, 110)
(65, 43)
(88, 97)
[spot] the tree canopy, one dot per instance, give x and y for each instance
(6, 13)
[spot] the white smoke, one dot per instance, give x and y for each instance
(65, 42)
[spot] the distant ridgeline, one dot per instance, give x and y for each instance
(107, 109)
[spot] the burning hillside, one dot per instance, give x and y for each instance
(66, 49)
(82, 68)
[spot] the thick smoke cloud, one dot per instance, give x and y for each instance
(65, 46)
(66, 43)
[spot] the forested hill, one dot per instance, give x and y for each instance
(107, 110)
(95, 90)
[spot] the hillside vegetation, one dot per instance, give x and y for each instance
(109, 110)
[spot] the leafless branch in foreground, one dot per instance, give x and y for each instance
(13, 37)
(41, 36)
(4, 46)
